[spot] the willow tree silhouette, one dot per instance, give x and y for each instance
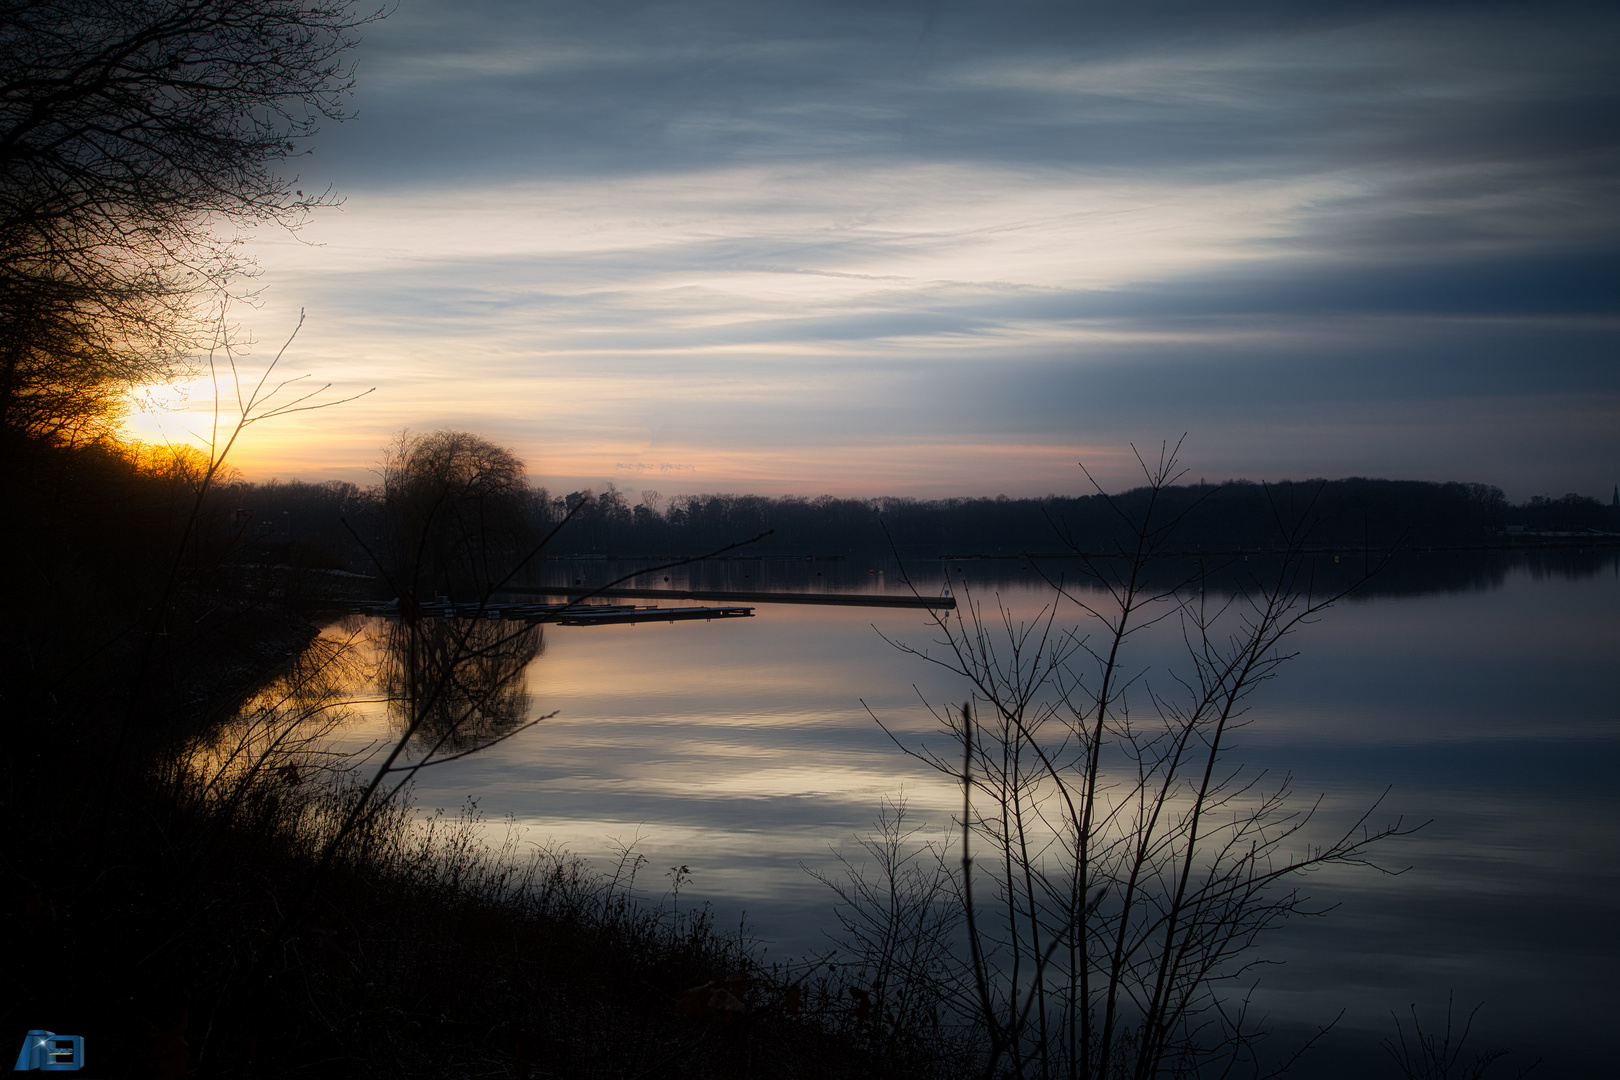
(452, 510)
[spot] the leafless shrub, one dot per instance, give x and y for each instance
(897, 922)
(1428, 1055)
(1129, 866)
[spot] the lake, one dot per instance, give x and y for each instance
(1480, 693)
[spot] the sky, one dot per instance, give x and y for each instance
(937, 249)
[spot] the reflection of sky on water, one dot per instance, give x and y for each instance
(741, 749)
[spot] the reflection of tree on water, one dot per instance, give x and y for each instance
(281, 727)
(462, 678)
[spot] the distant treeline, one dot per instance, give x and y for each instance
(305, 522)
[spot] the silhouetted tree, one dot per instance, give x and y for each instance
(452, 511)
(129, 131)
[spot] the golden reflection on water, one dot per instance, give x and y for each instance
(665, 727)
(739, 748)
(300, 715)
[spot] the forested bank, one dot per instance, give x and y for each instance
(326, 524)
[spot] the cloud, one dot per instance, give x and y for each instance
(776, 243)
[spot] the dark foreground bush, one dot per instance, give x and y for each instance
(178, 941)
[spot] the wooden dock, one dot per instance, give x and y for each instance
(449, 609)
(560, 614)
(591, 616)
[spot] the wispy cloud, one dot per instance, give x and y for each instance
(815, 247)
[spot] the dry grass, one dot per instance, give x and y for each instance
(427, 950)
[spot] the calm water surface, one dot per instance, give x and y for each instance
(1481, 694)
